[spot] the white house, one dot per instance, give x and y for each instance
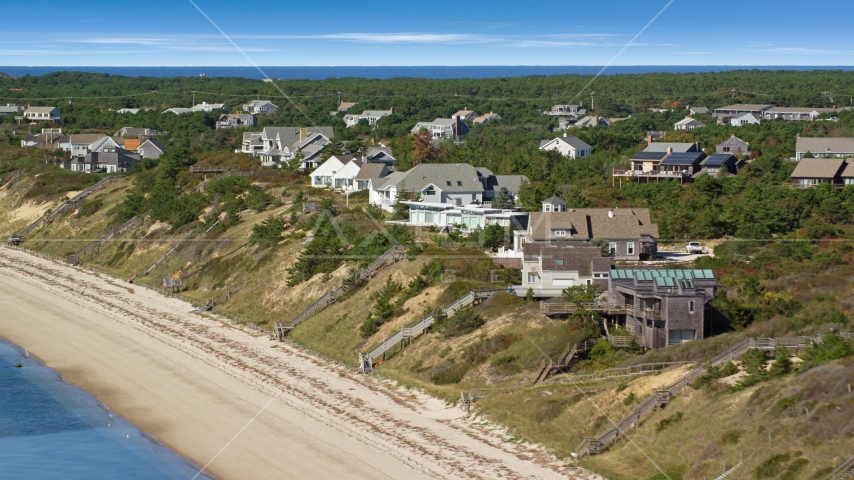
(277, 145)
(443, 127)
(746, 118)
(260, 107)
(42, 114)
(345, 178)
(571, 147)
(687, 124)
(465, 218)
(457, 184)
(371, 116)
(322, 176)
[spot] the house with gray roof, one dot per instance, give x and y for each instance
(443, 128)
(260, 107)
(132, 111)
(698, 110)
(547, 269)
(141, 133)
(836, 172)
(368, 172)
(42, 114)
(381, 154)
(572, 147)
(236, 120)
(794, 114)
(629, 232)
(662, 307)
(744, 119)
(151, 148)
(733, 145)
(465, 115)
(824, 147)
(119, 160)
(277, 145)
(567, 110)
(593, 121)
(371, 116)
(457, 184)
(48, 139)
(687, 124)
(730, 111)
(486, 118)
(11, 109)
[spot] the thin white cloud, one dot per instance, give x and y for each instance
(126, 41)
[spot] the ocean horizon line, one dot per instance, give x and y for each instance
(437, 72)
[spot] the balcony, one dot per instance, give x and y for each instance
(816, 182)
(651, 314)
(650, 173)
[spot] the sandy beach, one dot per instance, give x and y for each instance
(221, 395)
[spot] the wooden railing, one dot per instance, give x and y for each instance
(112, 233)
(366, 361)
(554, 308)
(394, 254)
(845, 470)
(594, 445)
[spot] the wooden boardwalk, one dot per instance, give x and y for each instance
(662, 396)
(393, 255)
(405, 335)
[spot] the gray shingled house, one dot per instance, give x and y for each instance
(663, 307)
(628, 232)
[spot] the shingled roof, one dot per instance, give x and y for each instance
(589, 223)
(818, 168)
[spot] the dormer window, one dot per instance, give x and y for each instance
(449, 183)
(430, 190)
(560, 233)
(459, 183)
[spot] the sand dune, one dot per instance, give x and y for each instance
(220, 395)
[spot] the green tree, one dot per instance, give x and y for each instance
(781, 364)
(503, 199)
(581, 293)
(269, 232)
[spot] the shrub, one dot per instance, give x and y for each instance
(730, 437)
(462, 322)
(781, 365)
(269, 232)
(504, 359)
(666, 422)
(622, 386)
(601, 351)
(90, 208)
(829, 348)
(773, 466)
(630, 399)
(448, 372)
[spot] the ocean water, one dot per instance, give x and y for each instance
(53, 430)
(434, 72)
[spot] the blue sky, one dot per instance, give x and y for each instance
(382, 32)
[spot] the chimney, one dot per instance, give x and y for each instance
(391, 110)
(364, 158)
(303, 132)
(564, 134)
(580, 104)
(649, 139)
(611, 213)
(669, 150)
(597, 121)
(457, 125)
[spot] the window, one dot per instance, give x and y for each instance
(430, 190)
(690, 306)
(725, 149)
(547, 207)
(449, 183)
(630, 248)
(589, 282)
(560, 233)
(612, 247)
(459, 183)
(559, 262)
(532, 278)
(536, 256)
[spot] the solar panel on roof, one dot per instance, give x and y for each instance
(716, 160)
(649, 155)
(680, 158)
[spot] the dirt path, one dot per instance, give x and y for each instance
(195, 382)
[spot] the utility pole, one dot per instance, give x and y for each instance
(194, 98)
(592, 94)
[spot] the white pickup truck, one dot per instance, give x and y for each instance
(694, 247)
